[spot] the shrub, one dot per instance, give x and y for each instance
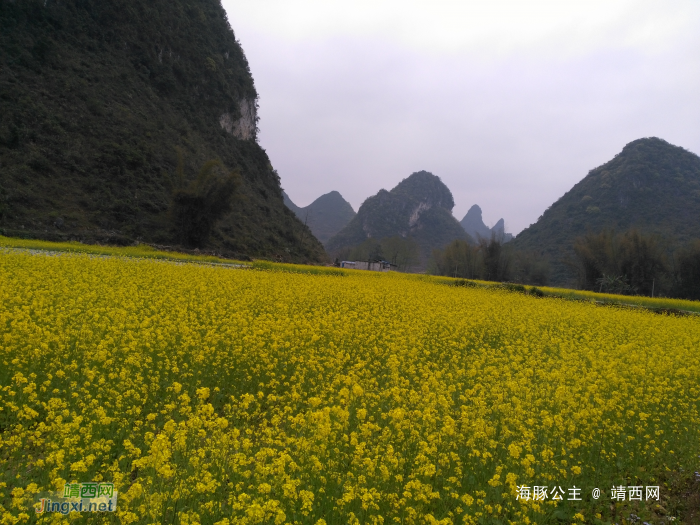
(628, 263)
(465, 283)
(199, 204)
(687, 272)
(512, 287)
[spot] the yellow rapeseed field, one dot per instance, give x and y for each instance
(222, 396)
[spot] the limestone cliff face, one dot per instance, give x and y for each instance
(415, 214)
(245, 126)
(419, 207)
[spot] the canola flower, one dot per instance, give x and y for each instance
(225, 396)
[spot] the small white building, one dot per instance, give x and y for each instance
(374, 266)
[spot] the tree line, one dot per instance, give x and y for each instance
(636, 263)
(628, 263)
(490, 259)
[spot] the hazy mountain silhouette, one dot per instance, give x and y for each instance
(325, 216)
(474, 225)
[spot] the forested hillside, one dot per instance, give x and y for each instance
(651, 186)
(134, 120)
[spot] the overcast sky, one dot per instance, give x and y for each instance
(509, 102)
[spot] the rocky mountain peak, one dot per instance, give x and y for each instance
(424, 187)
(474, 225)
(418, 208)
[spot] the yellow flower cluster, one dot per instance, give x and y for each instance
(230, 396)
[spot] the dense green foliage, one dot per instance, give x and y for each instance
(686, 266)
(491, 260)
(458, 259)
(419, 208)
(200, 203)
(628, 263)
(96, 96)
(634, 263)
(325, 216)
(651, 185)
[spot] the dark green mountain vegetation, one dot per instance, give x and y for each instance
(325, 216)
(289, 204)
(199, 204)
(686, 271)
(419, 208)
(96, 97)
(650, 186)
(629, 263)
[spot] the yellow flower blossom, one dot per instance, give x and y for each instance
(210, 394)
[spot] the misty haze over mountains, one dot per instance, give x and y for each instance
(330, 213)
(474, 225)
(651, 186)
(509, 110)
(325, 216)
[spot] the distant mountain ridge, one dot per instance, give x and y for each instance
(325, 216)
(650, 185)
(474, 225)
(419, 207)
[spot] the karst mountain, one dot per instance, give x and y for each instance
(325, 216)
(134, 120)
(473, 224)
(651, 186)
(419, 208)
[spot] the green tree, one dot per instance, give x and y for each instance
(403, 252)
(497, 259)
(687, 272)
(458, 259)
(628, 263)
(530, 267)
(198, 204)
